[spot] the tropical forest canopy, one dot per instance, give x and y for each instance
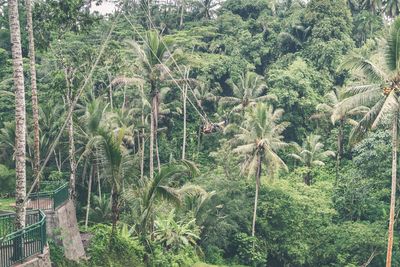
(229, 133)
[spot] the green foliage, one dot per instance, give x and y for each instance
(58, 258)
(56, 176)
(184, 257)
(250, 250)
(292, 55)
(125, 250)
(349, 244)
(299, 89)
(174, 235)
(330, 23)
(7, 180)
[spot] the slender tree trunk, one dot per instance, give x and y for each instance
(184, 122)
(156, 112)
(182, 13)
(149, 13)
(258, 176)
(151, 143)
(72, 161)
(307, 177)
(199, 140)
(71, 141)
(110, 92)
(142, 149)
(89, 195)
(35, 102)
(339, 147)
(20, 120)
(98, 183)
(157, 155)
(393, 191)
(114, 209)
(153, 126)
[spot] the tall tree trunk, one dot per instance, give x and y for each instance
(393, 191)
(72, 161)
(114, 210)
(142, 149)
(71, 141)
(184, 117)
(149, 14)
(157, 154)
(339, 147)
(156, 112)
(153, 126)
(35, 102)
(258, 176)
(96, 171)
(89, 195)
(184, 123)
(20, 120)
(199, 132)
(182, 13)
(151, 163)
(110, 92)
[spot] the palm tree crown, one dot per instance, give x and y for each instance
(261, 133)
(311, 154)
(249, 90)
(381, 93)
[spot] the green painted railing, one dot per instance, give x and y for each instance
(50, 200)
(17, 245)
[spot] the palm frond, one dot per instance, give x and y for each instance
(358, 62)
(393, 47)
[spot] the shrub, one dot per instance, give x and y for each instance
(125, 251)
(250, 250)
(186, 256)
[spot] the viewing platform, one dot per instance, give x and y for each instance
(46, 210)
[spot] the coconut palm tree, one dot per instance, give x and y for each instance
(205, 9)
(20, 116)
(141, 104)
(201, 93)
(259, 139)
(152, 57)
(381, 93)
(92, 114)
(115, 164)
(162, 186)
(249, 90)
(311, 154)
(326, 110)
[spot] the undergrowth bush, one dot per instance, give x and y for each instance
(125, 250)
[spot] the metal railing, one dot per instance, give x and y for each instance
(17, 245)
(49, 200)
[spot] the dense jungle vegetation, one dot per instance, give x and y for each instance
(203, 132)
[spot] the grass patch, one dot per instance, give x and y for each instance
(5, 204)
